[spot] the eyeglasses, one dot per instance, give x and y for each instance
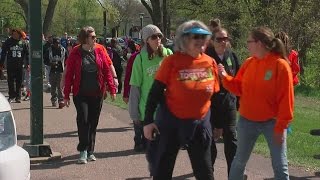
(198, 36)
(221, 39)
(156, 36)
(251, 41)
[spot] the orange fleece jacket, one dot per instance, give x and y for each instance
(265, 88)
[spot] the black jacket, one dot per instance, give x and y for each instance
(16, 52)
(224, 99)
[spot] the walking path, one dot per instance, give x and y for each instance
(114, 143)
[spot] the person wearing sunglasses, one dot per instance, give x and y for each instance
(143, 72)
(265, 86)
(86, 74)
(180, 96)
(224, 103)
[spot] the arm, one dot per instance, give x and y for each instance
(133, 105)
(69, 74)
(155, 95)
(126, 89)
(285, 97)
(233, 84)
(4, 53)
(46, 60)
(108, 78)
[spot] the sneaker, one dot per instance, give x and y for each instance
(54, 104)
(91, 157)
(61, 105)
(83, 157)
(10, 100)
(27, 98)
(18, 100)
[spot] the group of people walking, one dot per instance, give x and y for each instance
(186, 100)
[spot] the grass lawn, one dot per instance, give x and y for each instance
(301, 145)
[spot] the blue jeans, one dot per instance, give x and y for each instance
(248, 132)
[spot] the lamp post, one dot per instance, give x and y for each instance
(141, 15)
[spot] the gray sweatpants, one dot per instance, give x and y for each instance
(56, 91)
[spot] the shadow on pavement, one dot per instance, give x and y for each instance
(75, 133)
(72, 159)
(19, 109)
(183, 177)
(317, 174)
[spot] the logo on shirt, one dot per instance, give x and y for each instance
(268, 75)
(152, 70)
(201, 75)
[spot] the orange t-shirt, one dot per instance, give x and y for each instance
(266, 90)
(190, 83)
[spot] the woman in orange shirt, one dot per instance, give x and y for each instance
(264, 84)
(182, 88)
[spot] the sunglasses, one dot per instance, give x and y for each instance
(156, 36)
(220, 39)
(93, 37)
(198, 36)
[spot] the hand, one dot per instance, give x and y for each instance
(221, 70)
(116, 82)
(126, 100)
(149, 129)
(278, 138)
(66, 102)
(113, 97)
(217, 134)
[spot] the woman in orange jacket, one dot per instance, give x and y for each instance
(264, 84)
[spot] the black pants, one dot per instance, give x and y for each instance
(88, 112)
(56, 91)
(163, 151)
(228, 117)
(119, 71)
(14, 81)
(138, 134)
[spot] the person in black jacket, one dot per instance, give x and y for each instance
(16, 51)
(223, 104)
(55, 58)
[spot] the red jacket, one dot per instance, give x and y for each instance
(295, 68)
(73, 72)
(126, 84)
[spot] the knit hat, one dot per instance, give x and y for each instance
(148, 31)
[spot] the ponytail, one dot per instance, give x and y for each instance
(278, 48)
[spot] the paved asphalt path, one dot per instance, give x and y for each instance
(114, 143)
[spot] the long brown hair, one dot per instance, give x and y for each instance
(285, 40)
(266, 37)
(152, 54)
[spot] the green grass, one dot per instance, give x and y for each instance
(301, 145)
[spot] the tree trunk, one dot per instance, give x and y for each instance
(154, 11)
(49, 15)
(25, 7)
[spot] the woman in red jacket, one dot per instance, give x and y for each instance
(86, 74)
(293, 56)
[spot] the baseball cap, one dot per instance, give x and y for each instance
(197, 30)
